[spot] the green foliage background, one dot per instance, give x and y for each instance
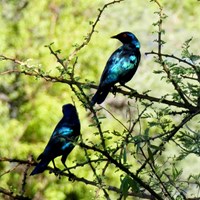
(30, 108)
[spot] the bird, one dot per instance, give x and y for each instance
(120, 67)
(62, 139)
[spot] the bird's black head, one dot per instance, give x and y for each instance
(127, 38)
(68, 109)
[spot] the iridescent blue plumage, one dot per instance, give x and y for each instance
(62, 139)
(120, 67)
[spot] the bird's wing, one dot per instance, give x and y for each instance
(120, 63)
(59, 141)
(62, 131)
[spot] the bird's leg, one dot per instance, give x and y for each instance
(54, 165)
(71, 176)
(56, 170)
(114, 89)
(67, 170)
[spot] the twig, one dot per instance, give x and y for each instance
(33, 72)
(157, 176)
(115, 118)
(12, 195)
(167, 71)
(89, 36)
(123, 168)
(92, 183)
(83, 97)
(174, 185)
(97, 176)
(179, 59)
(25, 176)
(59, 60)
(88, 106)
(87, 162)
(168, 138)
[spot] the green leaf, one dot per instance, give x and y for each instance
(124, 186)
(124, 155)
(150, 155)
(126, 183)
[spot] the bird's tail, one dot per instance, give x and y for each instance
(100, 96)
(41, 166)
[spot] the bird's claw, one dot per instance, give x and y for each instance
(56, 171)
(114, 89)
(71, 177)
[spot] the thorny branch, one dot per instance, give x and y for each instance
(89, 36)
(12, 195)
(107, 156)
(82, 98)
(75, 178)
(168, 138)
(132, 93)
(123, 168)
(165, 190)
(179, 59)
(165, 68)
(59, 60)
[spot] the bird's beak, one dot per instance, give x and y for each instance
(115, 36)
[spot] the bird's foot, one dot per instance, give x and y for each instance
(114, 89)
(71, 176)
(57, 172)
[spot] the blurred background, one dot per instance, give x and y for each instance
(30, 107)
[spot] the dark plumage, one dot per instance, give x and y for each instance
(120, 67)
(61, 141)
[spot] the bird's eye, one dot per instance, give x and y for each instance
(124, 35)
